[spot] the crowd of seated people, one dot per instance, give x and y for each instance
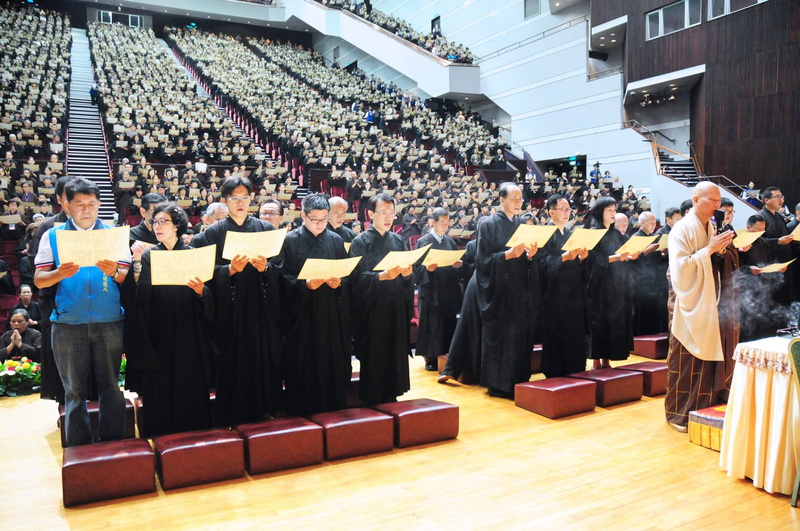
(34, 83)
(152, 109)
(319, 130)
(433, 41)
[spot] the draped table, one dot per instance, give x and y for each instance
(761, 433)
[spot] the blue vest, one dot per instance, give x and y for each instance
(89, 296)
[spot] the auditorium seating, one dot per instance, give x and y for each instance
(556, 397)
(103, 471)
(614, 386)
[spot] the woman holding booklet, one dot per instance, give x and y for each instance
(610, 290)
(175, 342)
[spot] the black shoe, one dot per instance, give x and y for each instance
(431, 364)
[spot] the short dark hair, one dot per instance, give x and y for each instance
(314, 202)
(20, 311)
(61, 183)
(686, 206)
(506, 187)
(553, 200)
(438, 212)
(725, 202)
(271, 201)
(152, 199)
(378, 198)
(82, 186)
(231, 183)
(755, 218)
(768, 191)
(176, 215)
(595, 216)
(671, 211)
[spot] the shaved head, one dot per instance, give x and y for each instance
(706, 200)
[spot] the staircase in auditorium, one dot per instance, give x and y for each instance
(86, 150)
(682, 170)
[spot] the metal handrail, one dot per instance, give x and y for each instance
(539, 36)
(604, 73)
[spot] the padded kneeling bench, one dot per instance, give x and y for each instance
(466, 378)
(107, 470)
(197, 457)
(654, 346)
(614, 386)
(93, 406)
(281, 444)
(705, 426)
(421, 421)
(556, 397)
(356, 431)
(654, 374)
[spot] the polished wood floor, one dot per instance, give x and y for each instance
(615, 468)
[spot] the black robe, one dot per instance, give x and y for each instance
(246, 334)
(382, 311)
(465, 348)
(563, 323)
(176, 355)
(776, 229)
(317, 341)
(610, 300)
(439, 301)
(508, 298)
(760, 315)
(346, 233)
(650, 292)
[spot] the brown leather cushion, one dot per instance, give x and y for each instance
(197, 457)
(654, 346)
(94, 412)
(421, 421)
(353, 390)
(654, 374)
(107, 470)
(356, 431)
(556, 397)
(281, 444)
(614, 386)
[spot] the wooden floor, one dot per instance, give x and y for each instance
(616, 468)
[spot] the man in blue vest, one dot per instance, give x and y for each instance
(86, 321)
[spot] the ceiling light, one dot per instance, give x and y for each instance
(672, 84)
(602, 45)
(613, 40)
(613, 34)
(602, 38)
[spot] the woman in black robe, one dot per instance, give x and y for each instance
(246, 333)
(317, 342)
(176, 347)
(508, 293)
(609, 290)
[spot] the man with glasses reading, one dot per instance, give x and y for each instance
(317, 340)
(383, 304)
(246, 333)
(86, 321)
(779, 240)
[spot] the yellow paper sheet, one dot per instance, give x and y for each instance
(146, 244)
(663, 243)
(636, 244)
(252, 244)
(775, 268)
(177, 268)
(400, 258)
(582, 238)
(347, 246)
(442, 258)
(11, 219)
(744, 238)
(796, 233)
(319, 268)
(87, 247)
(532, 234)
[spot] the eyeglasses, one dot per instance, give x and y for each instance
(270, 214)
(239, 199)
(313, 220)
(385, 213)
(158, 222)
(776, 196)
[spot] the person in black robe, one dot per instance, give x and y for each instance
(465, 347)
(144, 230)
(176, 354)
(440, 295)
(317, 341)
(336, 224)
(382, 306)
(563, 325)
(508, 290)
(780, 241)
(610, 300)
(246, 334)
(51, 388)
(651, 288)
